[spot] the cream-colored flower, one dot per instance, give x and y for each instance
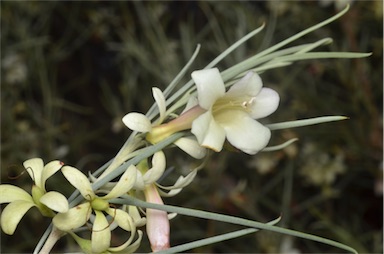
(146, 176)
(231, 115)
(157, 131)
(21, 201)
(80, 214)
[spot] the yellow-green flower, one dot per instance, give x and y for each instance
(21, 201)
(99, 205)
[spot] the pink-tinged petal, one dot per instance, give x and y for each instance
(137, 122)
(208, 133)
(12, 214)
(101, 234)
(244, 132)
(157, 221)
(55, 201)
(35, 168)
(50, 169)
(250, 85)
(125, 183)
(10, 193)
(264, 104)
(210, 86)
(79, 181)
(74, 218)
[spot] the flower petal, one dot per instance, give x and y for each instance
(137, 122)
(125, 183)
(101, 234)
(191, 147)
(170, 193)
(35, 168)
(50, 169)
(127, 247)
(74, 218)
(123, 247)
(178, 186)
(10, 193)
(160, 101)
(208, 133)
(249, 85)
(245, 133)
(139, 221)
(157, 170)
(157, 221)
(139, 183)
(210, 86)
(12, 214)
(265, 103)
(79, 181)
(84, 244)
(123, 219)
(182, 181)
(55, 201)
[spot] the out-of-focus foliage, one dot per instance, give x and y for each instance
(71, 70)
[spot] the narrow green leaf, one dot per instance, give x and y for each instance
(233, 47)
(153, 111)
(208, 241)
(305, 122)
(279, 147)
(213, 239)
(129, 200)
(319, 55)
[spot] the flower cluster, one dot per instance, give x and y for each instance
(210, 118)
(222, 108)
(217, 115)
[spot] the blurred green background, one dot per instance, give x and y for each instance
(71, 70)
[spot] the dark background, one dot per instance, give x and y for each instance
(71, 70)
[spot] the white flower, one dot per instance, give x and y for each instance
(80, 214)
(21, 201)
(232, 114)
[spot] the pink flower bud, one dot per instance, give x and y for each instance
(157, 221)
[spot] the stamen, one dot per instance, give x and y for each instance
(239, 103)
